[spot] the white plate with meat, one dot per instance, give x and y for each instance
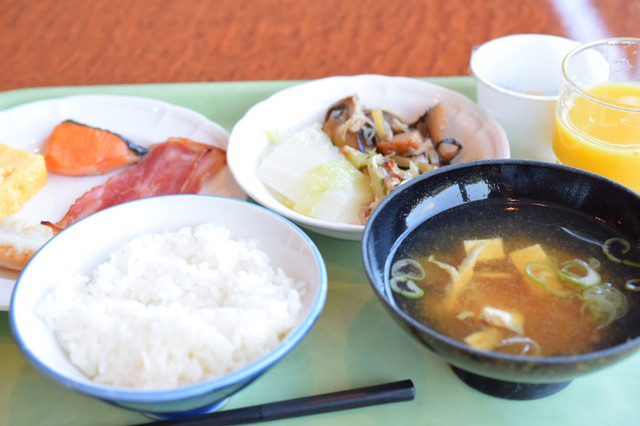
(145, 121)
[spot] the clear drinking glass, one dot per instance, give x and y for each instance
(597, 125)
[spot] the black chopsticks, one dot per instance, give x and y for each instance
(372, 395)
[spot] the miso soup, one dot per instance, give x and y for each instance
(518, 277)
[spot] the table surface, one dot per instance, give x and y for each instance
(151, 47)
(77, 42)
(354, 343)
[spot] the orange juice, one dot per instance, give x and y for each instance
(602, 137)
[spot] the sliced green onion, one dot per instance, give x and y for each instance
(626, 246)
(403, 274)
(579, 272)
(540, 272)
(406, 287)
(606, 248)
(633, 284)
(602, 311)
(631, 263)
(605, 303)
(407, 268)
(594, 263)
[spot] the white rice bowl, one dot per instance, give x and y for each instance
(173, 308)
(192, 377)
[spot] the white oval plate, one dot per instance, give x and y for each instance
(299, 106)
(143, 120)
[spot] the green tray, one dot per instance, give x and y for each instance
(353, 344)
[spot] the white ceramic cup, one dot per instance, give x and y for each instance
(517, 78)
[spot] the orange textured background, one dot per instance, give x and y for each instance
(78, 42)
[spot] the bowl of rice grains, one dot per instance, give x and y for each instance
(168, 305)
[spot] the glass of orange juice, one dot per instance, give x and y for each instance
(597, 124)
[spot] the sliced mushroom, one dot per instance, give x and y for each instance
(343, 121)
(447, 150)
(421, 143)
(437, 122)
(433, 123)
(366, 137)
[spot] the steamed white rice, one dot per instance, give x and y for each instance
(174, 308)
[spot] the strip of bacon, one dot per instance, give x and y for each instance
(177, 166)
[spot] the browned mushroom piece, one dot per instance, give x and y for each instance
(421, 143)
(437, 122)
(433, 123)
(343, 120)
(447, 150)
(366, 137)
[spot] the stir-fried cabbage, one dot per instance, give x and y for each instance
(310, 175)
